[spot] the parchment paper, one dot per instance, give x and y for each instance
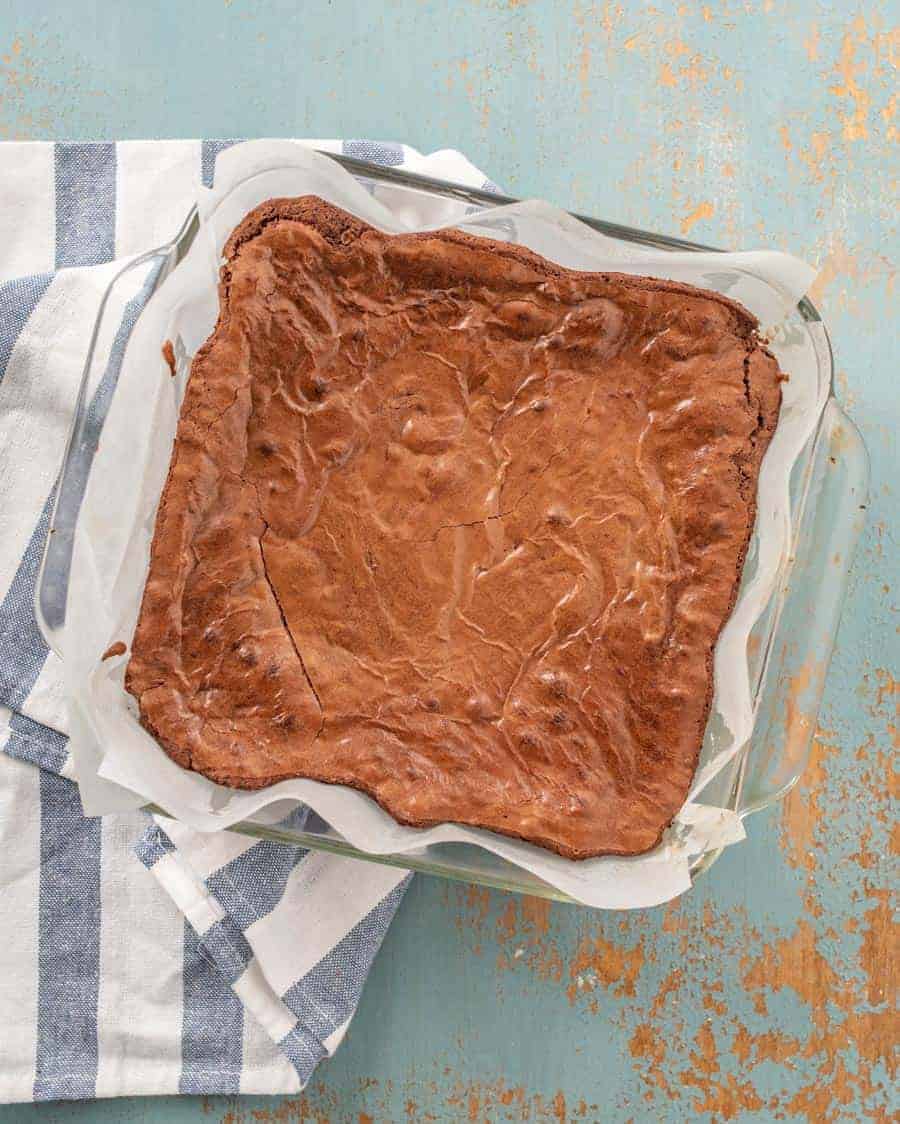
(120, 765)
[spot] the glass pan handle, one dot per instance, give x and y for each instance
(101, 370)
(831, 522)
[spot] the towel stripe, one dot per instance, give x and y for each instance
(328, 995)
(265, 867)
(376, 152)
(37, 744)
(68, 944)
(303, 1051)
(153, 845)
(314, 823)
(69, 901)
(85, 204)
(18, 299)
(209, 150)
(22, 647)
(212, 1030)
(227, 945)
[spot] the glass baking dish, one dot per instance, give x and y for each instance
(788, 657)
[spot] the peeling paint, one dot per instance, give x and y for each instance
(849, 70)
(811, 43)
(802, 810)
(601, 963)
(704, 210)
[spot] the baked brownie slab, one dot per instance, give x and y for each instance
(455, 526)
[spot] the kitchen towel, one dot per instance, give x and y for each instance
(234, 965)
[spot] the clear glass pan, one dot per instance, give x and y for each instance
(789, 658)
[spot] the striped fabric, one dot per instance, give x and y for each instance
(136, 959)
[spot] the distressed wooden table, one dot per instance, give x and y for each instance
(766, 993)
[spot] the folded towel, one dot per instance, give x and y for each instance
(237, 967)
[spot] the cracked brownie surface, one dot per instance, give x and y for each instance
(454, 526)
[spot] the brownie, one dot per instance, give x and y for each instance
(454, 526)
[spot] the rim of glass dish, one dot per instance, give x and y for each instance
(174, 250)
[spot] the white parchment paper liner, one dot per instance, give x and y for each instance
(119, 765)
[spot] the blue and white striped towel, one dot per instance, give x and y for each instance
(107, 988)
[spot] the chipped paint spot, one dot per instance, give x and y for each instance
(888, 687)
(802, 810)
(666, 77)
(723, 1096)
(599, 963)
(878, 953)
(648, 1047)
(849, 87)
(849, 271)
(814, 156)
(704, 210)
(888, 113)
(526, 921)
(795, 963)
(495, 1100)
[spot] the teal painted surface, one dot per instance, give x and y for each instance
(765, 993)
